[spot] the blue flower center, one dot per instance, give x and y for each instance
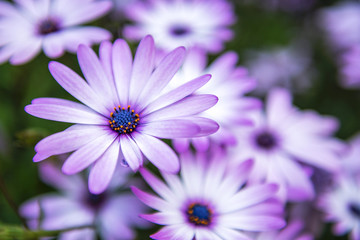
(266, 140)
(95, 201)
(47, 26)
(124, 120)
(199, 214)
(179, 30)
(354, 209)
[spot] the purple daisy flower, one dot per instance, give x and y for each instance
(30, 25)
(209, 201)
(282, 138)
(189, 23)
(229, 83)
(123, 114)
(342, 206)
(114, 214)
(351, 163)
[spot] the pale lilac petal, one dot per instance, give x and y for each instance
(28, 50)
(174, 128)
(151, 200)
(103, 169)
(181, 144)
(278, 106)
(71, 112)
(95, 75)
(205, 234)
(86, 233)
(53, 45)
(201, 144)
(249, 196)
(76, 86)
(144, 63)
(131, 153)
(164, 218)
(162, 75)
(157, 185)
(177, 93)
(66, 111)
(251, 223)
(87, 154)
(178, 232)
(87, 12)
(122, 66)
(68, 140)
(228, 233)
(159, 153)
(207, 126)
(188, 106)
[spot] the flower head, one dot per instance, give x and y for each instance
(123, 113)
(28, 26)
(342, 206)
(114, 214)
(350, 71)
(201, 23)
(210, 201)
(229, 83)
(282, 138)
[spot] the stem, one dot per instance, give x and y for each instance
(11, 202)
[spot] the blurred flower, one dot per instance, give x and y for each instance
(113, 214)
(210, 201)
(30, 25)
(342, 206)
(350, 67)
(293, 231)
(123, 113)
(229, 83)
(284, 136)
(189, 23)
(350, 160)
(342, 23)
(288, 67)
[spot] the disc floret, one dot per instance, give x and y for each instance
(199, 214)
(124, 120)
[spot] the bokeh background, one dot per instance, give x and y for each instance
(260, 29)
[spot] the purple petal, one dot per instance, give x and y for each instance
(228, 233)
(186, 107)
(103, 169)
(159, 153)
(76, 86)
(181, 144)
(28, 50)
(122, 65)
(201, 144)
(151, 200)
(131, 153)
(95, 75)
(67, 141)
(87, 154)
(144, 62)
(64, 111)
(178, 231)
(177, 93)
(174, 128)
(53, 45)
(207, 126)
(88, 11)
(278, 105)
(157, 185)
(251, 223)
(162, 75)
(164, 218)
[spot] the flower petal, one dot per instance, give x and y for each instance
(87, 154)
(131, 153)
(174, 128)
(251, 223)
(159, 153)
(103, 169)
(64, 111)
(151, 200)
(186, 107)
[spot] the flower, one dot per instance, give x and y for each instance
(28, 26)
(350, 67)
(201, 23)
(342, 206)
(288, 67)
(229, 83)
(282, 138)
(341, 24)
(114, 214)
(123, 114)
(210, 201)
(350, 160)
